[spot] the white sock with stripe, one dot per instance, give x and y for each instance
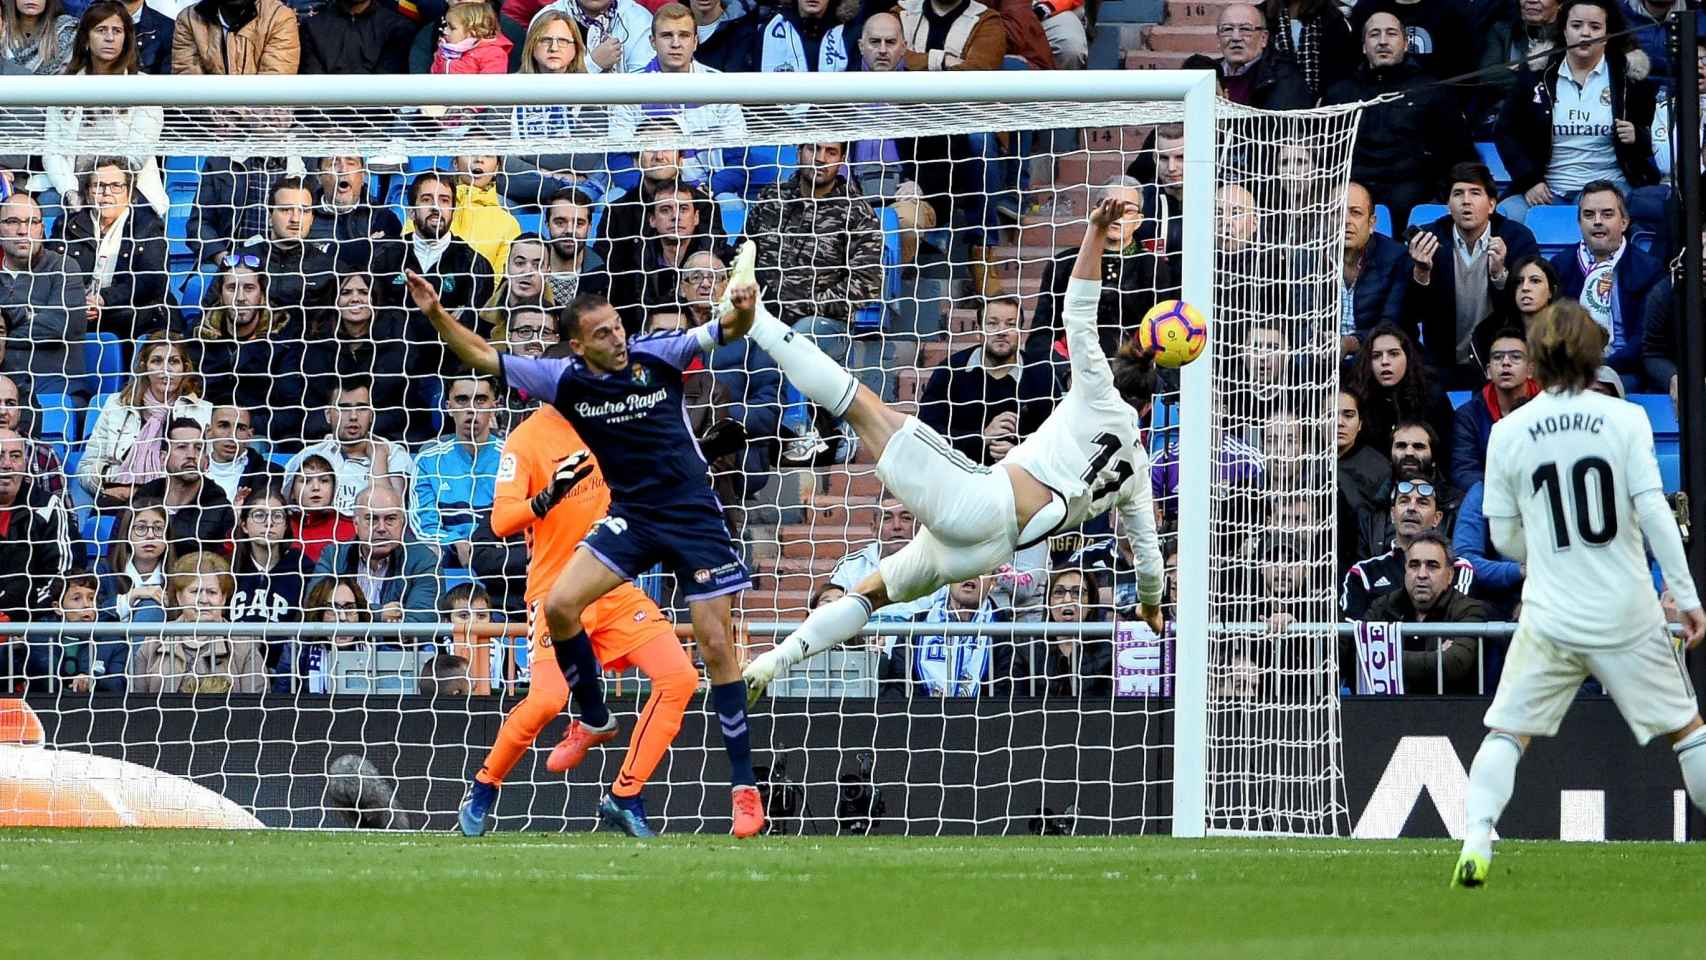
(1691, 754)
(1492, 777)
(822, 380)
(827, 627)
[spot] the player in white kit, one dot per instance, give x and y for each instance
(1086, 458)
(1572, 485)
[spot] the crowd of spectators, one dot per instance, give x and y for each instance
(290, 443)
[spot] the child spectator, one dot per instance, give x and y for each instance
(470, 41)
(80, 664)
(317, 523)
(136, 569)
(268, 564)
(444, 675)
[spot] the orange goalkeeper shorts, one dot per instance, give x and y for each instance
(618, 623)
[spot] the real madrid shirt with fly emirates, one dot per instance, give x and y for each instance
(634, 421)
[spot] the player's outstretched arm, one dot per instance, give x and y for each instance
(1088, 266)
(468, 346)
(1137, 525)
(740, 303)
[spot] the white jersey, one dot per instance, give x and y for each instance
(1569, 466)
(1090, 449)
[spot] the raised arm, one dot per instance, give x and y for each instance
(1082, 304)
(742, 295)
(469, 347)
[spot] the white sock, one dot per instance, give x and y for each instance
(828, 626)
(822, 380)
(1492, 777)
(1691, 753)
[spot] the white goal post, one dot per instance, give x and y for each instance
(1234, 760)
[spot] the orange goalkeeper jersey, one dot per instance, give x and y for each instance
(530, 456)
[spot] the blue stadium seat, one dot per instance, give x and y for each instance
(1423, 214)
(451, 577)
(766, 165)
(1555, 227)
(56, 422)
(103, 359)
(890, 221)
(1459, 397)
(1382, 219)
(732, 210)
(532, 220)
(1660, 412)
(1495, 163)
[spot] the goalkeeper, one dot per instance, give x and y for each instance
(1085, 459)
(549, 486)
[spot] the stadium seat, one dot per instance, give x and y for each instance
(103, 359)
(1495, 163)
(1423, 214)
(56, 422)
(531, 219)
(732, 211)
(1555, 227)
(1459, 397)
(1660, 412)
(91, 413)
(1382, 219)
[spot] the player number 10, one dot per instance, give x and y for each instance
(1547, 478)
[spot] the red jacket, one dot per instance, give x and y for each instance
(488, 56)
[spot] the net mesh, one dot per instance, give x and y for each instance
(314, 380)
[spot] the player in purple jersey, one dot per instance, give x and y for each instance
(624, 398)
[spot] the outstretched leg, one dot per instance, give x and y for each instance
(825, 628)
(583, 580)
(1492, 777)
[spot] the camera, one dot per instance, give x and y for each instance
(859, 809)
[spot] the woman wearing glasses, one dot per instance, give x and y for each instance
(135, 569)
(1075, 665)
(305, 665)
(368, 341)
(127, 446)
(121, 247)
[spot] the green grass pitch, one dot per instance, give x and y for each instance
(112, 894)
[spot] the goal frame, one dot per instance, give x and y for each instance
(1194, 89)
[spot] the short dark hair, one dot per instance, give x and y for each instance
(465, 593)
(1603, 186)
(77, 577)
(1010, 299)
(1433, 536)
(288, 182)
(1476, 173)
(438, 668)
(185, 423)
(430, 176)
(577, 309)
(574, 195)
(1134, 374)
(1407, 423)
(354, 381)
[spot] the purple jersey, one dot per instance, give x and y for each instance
(634, 421)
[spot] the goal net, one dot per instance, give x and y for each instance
(221, 375)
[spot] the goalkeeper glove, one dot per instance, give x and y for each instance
(571, 471)
(722, 438)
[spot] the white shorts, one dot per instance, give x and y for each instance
(1647, 681)
(965, 510)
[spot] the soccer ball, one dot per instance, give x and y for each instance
(1174, 332)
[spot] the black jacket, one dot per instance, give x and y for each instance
(1524, 130)
(355, 231)
(34, 552)
(958, 401)
(205, 524)
(154, 41)
(336, 41)
(231, 203)
(302, 279)
(1379, 575)
(1426, 659)
(135, 301)
(262, 374)
(381, 355)
(1416, 138)
(1382, 285)
(1276, 83)
(1433, 308)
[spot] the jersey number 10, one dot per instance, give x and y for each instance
(1547, 478)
